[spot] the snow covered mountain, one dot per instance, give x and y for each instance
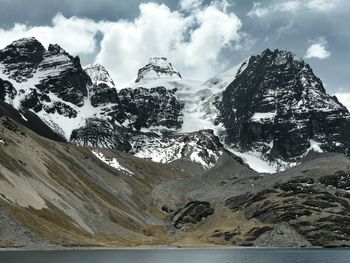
(278, 108)
(270, 110)
(84, 106)
(157, 68)
(99, 75)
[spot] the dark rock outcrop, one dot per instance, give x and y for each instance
(22, 57)
(7, 90)
(150, 107)
(103, 91)
(102, 94)
(340, 179)
(68, 81)
(193, 213)
(102, 134)
(313, 210)
(278, 107)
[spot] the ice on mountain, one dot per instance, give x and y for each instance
(99, 75)
(263, 116)
(157, 68)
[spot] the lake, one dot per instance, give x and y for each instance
(179, 256)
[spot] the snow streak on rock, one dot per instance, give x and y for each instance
(112, 162)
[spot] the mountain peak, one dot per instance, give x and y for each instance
(21, 57)
(281, 55)
(23, 47)
(159, 61)
(277, 106)
(56, 49)
(157, 67)
(25, 42)
(99, 74)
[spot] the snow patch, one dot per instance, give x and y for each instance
(257, 162)
(99, 75)
(22, 116)
(314, 146)
(112, 162)
(263, 116)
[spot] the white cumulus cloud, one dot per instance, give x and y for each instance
(190, 4)
(193, 40)
(318, 50)
(77, 35)
(259, 10)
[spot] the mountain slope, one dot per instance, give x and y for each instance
(78, 196)
(180, 177)
(62, 194)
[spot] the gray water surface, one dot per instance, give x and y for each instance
(179, 256)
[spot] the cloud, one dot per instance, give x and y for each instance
(292, 6)
(318, 50)
(322, 5)
(344, 99)
(77, 35)
(193, 40)
(259, 11)
(190, 4)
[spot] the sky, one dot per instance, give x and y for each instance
(201, 38)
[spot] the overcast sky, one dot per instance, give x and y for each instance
(201, 37)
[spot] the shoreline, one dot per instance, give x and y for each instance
(161, 248)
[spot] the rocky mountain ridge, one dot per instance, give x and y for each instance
(157, 67)
(278, 107)
(270, 110)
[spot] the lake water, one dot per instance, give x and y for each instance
(179, 256)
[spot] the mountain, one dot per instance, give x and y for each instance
(57, 194)
(277, 107)
(270, 110)
(99, 75)
(157, 68)
(89, 110)
(169, 160)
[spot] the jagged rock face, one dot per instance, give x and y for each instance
(102, 134)
(34, 100)
(201, 147)
(193, 213)
(144, 108)
(7, 90)
(277, 106)
(55, 87)
(21, 58)
(99, 75)
(103, 90)
(158, 67)
(53, 70)
(102, 94)
(68, 73)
